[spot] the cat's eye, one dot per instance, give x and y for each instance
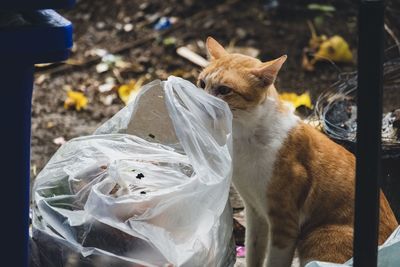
(224, 90)
(202, 84)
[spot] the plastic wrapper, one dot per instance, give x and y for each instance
(149, 188)
(388, 254)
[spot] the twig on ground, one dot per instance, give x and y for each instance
(391, 33)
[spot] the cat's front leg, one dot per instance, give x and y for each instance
(281, 256)
(256, 238)
(283, 233)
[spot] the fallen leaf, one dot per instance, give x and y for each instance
(323, 8)
(335, 49)
(75, 99)
(128, 91)
(169, 41)
(321, 48)
(297, 100)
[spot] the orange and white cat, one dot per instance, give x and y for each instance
(297, 185)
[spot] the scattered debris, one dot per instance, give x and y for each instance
(110, 61)
(107, 86)
(100, 25)
(49, 125)
(245, 50)
(393, 35)
(43, 65)
(165, 23)
(102, 67)
(34, 169)
(99, 52)
(107, 99)
(240, 251)
(128, 27)
(75, 99)
(59, 141)
(41, 78)
(192, 56)
(391, 126)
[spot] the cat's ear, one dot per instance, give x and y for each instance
(269, 70)
(215, 50)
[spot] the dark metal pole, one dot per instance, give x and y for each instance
(369, 123)
(17, 82)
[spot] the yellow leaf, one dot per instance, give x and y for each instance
(335, 49)
(297, 100)
(75, 99)
(321, 48)
(128, 91)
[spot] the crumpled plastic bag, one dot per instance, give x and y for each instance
(149, 188)
(388, 254)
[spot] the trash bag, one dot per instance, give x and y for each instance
(388, 254)
(149, 188)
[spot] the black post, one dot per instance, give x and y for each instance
(369, 123)
(17, 81)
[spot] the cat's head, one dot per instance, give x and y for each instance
(243, 82)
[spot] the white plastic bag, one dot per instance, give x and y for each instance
(149, 188)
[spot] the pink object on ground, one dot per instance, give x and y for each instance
(240, 251)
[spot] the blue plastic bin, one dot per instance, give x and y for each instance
(45, 37)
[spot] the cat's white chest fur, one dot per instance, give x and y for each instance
(253, 167)
(258, 136)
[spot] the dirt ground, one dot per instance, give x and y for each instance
(125, 28)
